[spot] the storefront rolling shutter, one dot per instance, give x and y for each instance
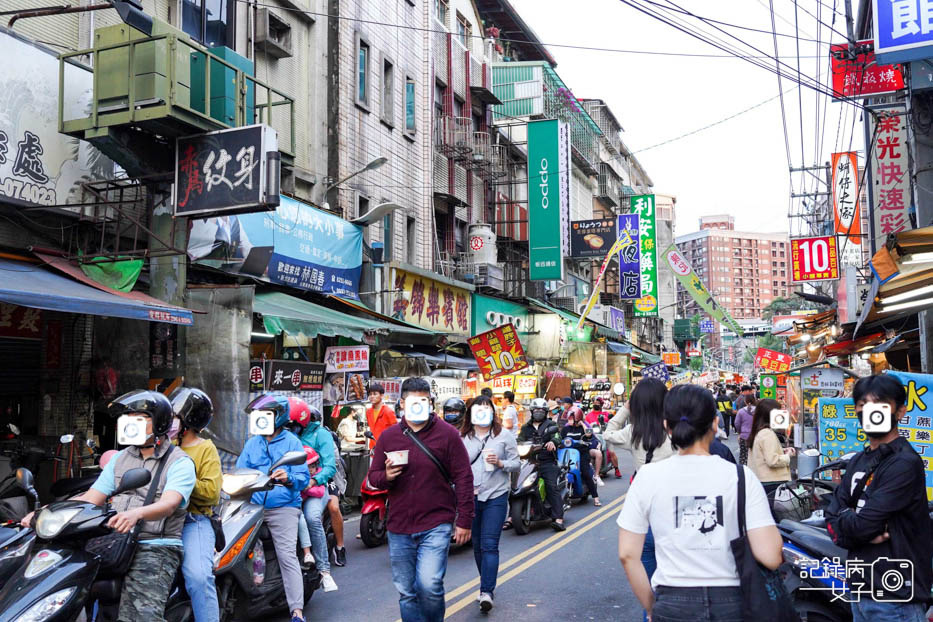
(20, 360)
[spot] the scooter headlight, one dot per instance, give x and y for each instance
(46, 607)
(530, 480)
(234, 483)
(50, 523)
(524, 449)
(16, 551)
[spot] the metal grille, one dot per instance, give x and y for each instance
(476, 71)
(460, 183)
(458, 66)
(441, 174)
(440, 55)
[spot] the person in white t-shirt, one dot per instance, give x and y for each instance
(689, 502)
(510, 413)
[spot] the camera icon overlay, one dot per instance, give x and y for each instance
(883, 580)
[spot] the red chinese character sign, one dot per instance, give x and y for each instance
(20, 322)
(845, 195)
(861, 76)
(498, 352)
(773, 361)
(814, 259)
(227, 172)
(889, 171)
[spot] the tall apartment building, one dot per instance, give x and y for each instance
(745, 271)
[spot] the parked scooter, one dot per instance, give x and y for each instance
(569, 457)
(814, 572)
(374, 515)
(16, 541)
(528, 502)
(249, 582)
(60, 578)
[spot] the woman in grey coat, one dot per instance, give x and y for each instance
(493, 456)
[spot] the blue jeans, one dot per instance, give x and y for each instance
(867, 610)
(488, 517)
(419, 563)
(648, 560)
(197, 567)
(313, 508)
(697, 604)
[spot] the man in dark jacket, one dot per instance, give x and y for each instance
(542, 431)
(879, 512)
(424, 507)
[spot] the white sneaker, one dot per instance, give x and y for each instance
(328, 582)
(599, 481)
(485, 602)
(309, 559)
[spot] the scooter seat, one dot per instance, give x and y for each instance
(793, 525)
(821, 545)
(69, 486)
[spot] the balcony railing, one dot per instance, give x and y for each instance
(480, 158)
(610, 186)
(453, 136)
(498, 162)
(169, 86)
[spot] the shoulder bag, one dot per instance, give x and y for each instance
(116, 550)
(764, 596)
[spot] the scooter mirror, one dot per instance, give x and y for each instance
(619, 389)
(13, 428)
(291, 458)
(24, 479)
(133, 479)
(64, 439)
(91, 444)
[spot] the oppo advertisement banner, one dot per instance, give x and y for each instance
(548, 198)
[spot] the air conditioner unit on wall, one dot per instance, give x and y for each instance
(489, 275)
(273, 34)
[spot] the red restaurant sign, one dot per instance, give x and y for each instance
(862, 76)
(20, 322)
(814, 259)
(773, 361)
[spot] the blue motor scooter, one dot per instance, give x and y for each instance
(569, 456)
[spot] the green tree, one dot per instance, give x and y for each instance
(696, 363)
(784, 306)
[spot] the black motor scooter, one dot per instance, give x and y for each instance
(60, 577)
(16, 541)
(527, 501)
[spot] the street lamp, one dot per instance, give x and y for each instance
(381, 160)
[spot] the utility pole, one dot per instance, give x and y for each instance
(850, 29)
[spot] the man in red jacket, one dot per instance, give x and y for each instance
(426, 499)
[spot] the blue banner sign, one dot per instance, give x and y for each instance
(629, 259)
(916, 426)
(296, 245)
(902, 31)
(840, 429)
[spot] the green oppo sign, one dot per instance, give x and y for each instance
(548, 199)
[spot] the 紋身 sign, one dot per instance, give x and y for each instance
(902, 30)
(227, 172)
(814, 259)
(771, 360)
(548, 199)
(498, 352)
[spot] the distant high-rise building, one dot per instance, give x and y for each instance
(744, 271)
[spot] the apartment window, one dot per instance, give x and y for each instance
(411, 236)
(363, 53)
(388, 92)
(464, 31)
(441, 10)
(210, 22)
(409, 104)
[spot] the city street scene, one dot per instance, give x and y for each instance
(426, 310)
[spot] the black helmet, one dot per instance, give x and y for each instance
(454, 408)
(151, 403)
(193, 407)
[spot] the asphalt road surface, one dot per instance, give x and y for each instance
(545, 575)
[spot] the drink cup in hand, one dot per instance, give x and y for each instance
(491, 455)
(398, 458)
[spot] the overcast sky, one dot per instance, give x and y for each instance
(738, 167)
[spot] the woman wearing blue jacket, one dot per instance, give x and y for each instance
(283, 503)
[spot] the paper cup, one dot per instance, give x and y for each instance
(399, 457)
(488, 452)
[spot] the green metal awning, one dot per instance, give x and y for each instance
(567, 315)
(281, 312)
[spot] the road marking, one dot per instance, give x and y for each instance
(561, 537)
(599, 517)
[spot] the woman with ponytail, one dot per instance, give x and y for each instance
(689, 502)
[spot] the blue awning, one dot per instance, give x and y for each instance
(31, 285)
(618, 348)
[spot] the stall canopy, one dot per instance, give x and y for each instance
(31, 285)
(618, 348)
(281, 312)
(445, 360)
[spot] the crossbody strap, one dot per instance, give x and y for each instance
(153, 487)
(480, 452)
(740, 501)
(886, 451)
(417, 441)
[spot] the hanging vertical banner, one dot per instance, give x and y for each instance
(889, 171)
(695, 287)
(647, 304)
(623, 242)
(548, 199)
(629, 259)
(845, 196)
